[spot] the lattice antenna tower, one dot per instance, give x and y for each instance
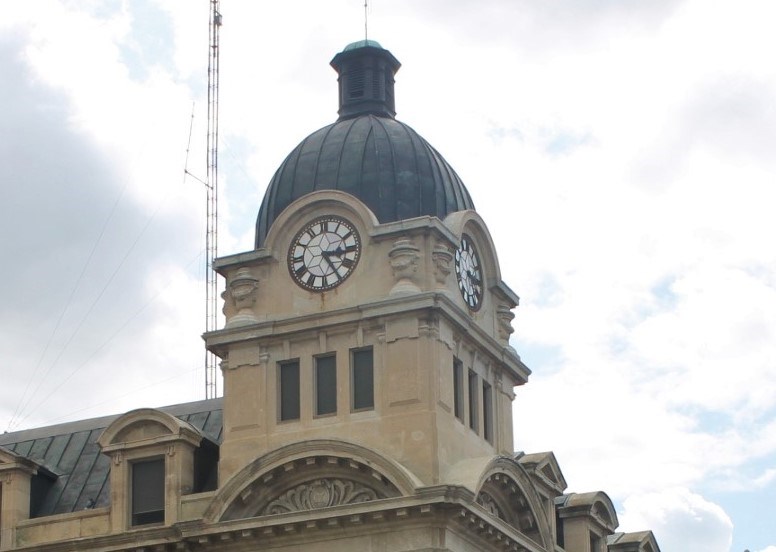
(211, 232)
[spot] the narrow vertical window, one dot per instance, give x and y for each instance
(458, 388)
(148, 492)
(289, 390)
(487, 411)
(473, 402)
(325, 385)
(362, 379)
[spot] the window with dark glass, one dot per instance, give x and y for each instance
(473, 401)
(487, 411)
(362, 379)
(325, 385)
(458, 388)
(289, 390)
(148, 492)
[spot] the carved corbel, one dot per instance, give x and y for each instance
(442, 258)
(242, 291)
(505, 316)
(404, 262)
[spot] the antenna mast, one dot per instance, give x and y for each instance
(211, 232)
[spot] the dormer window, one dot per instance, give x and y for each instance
(148, 492)
(154, 461)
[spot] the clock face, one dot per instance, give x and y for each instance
(324, 253)
(468, 270)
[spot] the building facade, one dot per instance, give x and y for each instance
(368, 382)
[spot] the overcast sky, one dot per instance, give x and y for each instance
(622, 153)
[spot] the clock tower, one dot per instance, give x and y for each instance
(366, 358)
(368, 383)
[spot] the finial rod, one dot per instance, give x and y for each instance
(366, 21)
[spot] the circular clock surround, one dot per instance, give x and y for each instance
(324, 253)
(468, 271)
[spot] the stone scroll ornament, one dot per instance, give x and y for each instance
(321, 493)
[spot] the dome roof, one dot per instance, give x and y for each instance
(367, 153)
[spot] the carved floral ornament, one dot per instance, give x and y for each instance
(320, 493)
(310, 483)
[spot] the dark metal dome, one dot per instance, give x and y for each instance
(367, 153)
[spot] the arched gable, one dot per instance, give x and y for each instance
(598, 505)
(146, 425)
(337, 203)
(307, 476)
(471, 223)
(505, 490)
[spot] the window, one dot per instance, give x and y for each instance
(289, 390)
(362, 379)
(595, 543)
(458, 388)
(325, 385)
(356, 82)
(473, 402)
(148, 492)
(487, 411)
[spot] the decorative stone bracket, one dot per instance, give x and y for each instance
(443, 258)
(242, 291)
(404, 262)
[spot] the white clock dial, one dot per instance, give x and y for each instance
(468, 271)
(324, 253)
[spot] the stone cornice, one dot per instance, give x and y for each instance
(286, 327)
(438, 505)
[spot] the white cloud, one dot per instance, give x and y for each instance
(680, 520)
(620, 156)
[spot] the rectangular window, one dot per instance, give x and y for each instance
(473, 402)
(289, 390)
(148, 492)
(325, 385)
(458, 388)
(487, 411)
(595, 543)
(362, 379)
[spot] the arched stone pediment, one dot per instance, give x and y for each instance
(504, 489)
(596, 504)
(336, 203)
(144, 426)
(308, 476)
(471, 223)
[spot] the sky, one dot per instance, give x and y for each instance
(621, 153)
